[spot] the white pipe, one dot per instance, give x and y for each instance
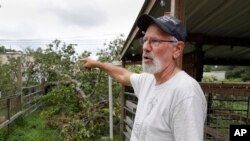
(110, 110)
(172, 8)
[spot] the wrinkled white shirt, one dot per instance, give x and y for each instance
(172, 111)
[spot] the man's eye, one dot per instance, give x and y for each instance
(154, 41)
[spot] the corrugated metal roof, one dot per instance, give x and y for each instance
(221, 26)
(226, 18)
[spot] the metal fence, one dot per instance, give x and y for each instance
(228, 104)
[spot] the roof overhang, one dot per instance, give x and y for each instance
(221, 27)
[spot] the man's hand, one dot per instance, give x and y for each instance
(89, 63)
(118, 73)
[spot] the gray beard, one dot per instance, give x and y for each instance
(152, 68)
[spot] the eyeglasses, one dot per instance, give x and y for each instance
(155, 42)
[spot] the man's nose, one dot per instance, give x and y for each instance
(147, 47)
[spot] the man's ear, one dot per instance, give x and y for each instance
(178, 49)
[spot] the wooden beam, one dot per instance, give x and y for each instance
(181, 10)
(213, 40)
(177, 10)
(199, 55)
(231, 61)
(133, 58)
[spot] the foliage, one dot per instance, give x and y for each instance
(3, 134)
(233, 73)
(209, 79)
(112, 54)
(239, 72)
(207, 68)
(55, 62)
(233, 80)
(112, 51)
(7, 75)
(31, 128)
(77, 118)
(9, 72)
(4, 50)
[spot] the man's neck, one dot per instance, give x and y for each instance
(166, 74)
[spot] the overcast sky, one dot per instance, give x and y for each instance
(89, 23)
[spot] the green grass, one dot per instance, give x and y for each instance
(116, 138)
(30, 128)
(33, 128)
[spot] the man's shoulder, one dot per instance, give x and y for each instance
(143, 75)
(186, 83)
(186, 79)
(142, 79)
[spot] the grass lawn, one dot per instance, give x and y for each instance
(31, 128)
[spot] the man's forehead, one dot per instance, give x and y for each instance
(155, 26)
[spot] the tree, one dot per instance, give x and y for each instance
(4, 50)
(78, 117)
(7, 75)
(232, 72)
(239, 72)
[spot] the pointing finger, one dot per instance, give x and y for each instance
(83, 60)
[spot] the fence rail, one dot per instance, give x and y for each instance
(13, 106)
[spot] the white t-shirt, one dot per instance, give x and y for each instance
(172, 111)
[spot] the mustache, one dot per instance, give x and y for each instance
(146, 54)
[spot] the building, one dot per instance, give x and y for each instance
(218, 34)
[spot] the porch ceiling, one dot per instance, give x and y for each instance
(222, 27)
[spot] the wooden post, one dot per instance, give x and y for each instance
(177, 9)
(8, 113)
(19, 83)
(198, 62)
(248, 109)
(209, 107)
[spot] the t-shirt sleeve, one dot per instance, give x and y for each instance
(141, 83)
(135, 82)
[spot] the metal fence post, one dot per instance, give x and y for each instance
(19, 83)
(110, 110)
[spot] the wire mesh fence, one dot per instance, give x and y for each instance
(228, 104)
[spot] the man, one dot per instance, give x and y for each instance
(171, 105)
